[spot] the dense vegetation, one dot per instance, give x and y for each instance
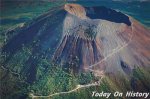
(57, 80)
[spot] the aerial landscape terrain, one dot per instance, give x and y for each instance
(74, 49)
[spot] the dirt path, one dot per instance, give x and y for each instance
(92, 84)
(79, 86)
(73, 90)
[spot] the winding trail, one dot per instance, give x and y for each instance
(2, 66)
(116, 50)
(96, 64)
(12, 72)
(73, 90)
(113, 52)
(79, 86)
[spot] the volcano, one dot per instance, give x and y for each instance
(73, 45)
(95, 39)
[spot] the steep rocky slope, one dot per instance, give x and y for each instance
(78, 41)
(87, 38)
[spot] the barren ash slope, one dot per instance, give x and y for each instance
(84, 39)
(103, 40)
